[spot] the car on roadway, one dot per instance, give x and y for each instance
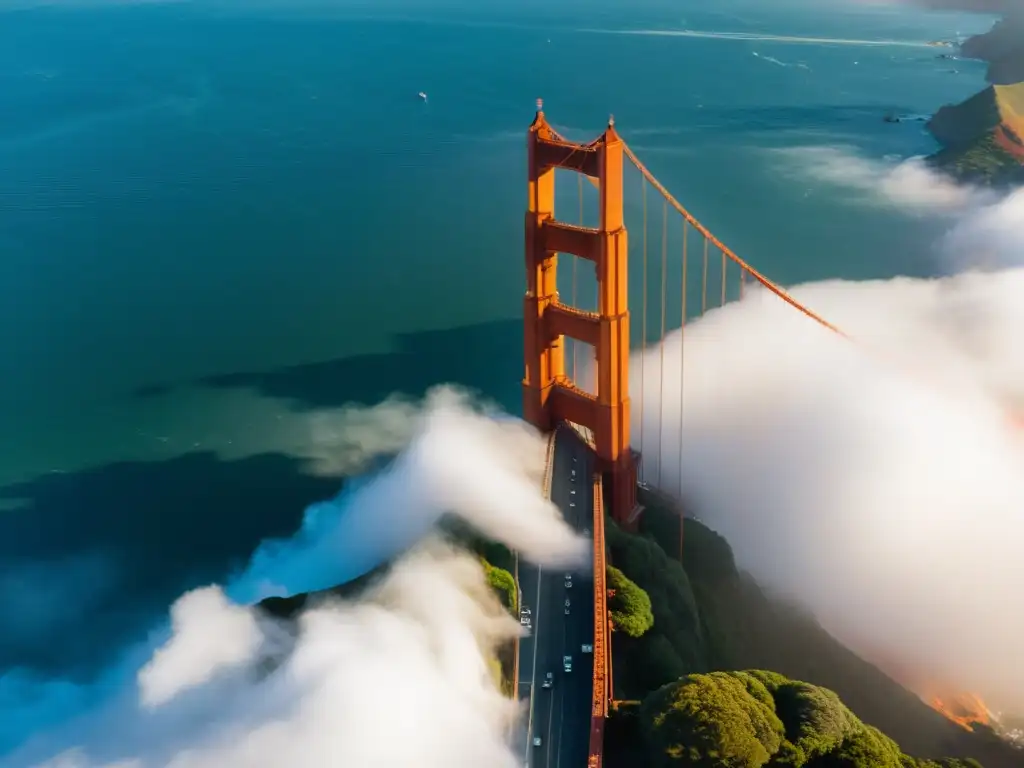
(549, 680)
(567, 606)
(536, 741)
(567, 663)
(525, 617)
(586, 531)
(568, 580)
(587, 648)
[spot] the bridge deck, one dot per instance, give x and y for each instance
(561, 715)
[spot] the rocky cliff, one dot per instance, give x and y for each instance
(983, 137)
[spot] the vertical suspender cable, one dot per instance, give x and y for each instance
(575, 259)
(682, 332)
(643, 324)
(661, 339)
(704, 282)
(724, 263)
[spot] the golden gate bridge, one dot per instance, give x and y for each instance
(565, 343)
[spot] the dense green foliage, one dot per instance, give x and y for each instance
(708, 720)
(981, 162)
(674, 646)
(503, 584)
(760, 719)
(629, 606)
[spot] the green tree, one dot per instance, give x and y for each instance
(674, 646)
(867, 747)
(720, 720)
(759, 719)
(503, 584)
(816, 721)
(630, 606)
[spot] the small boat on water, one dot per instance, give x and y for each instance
(422, 95)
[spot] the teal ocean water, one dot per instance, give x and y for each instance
(222, 221)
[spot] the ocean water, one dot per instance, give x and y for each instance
(222, 221)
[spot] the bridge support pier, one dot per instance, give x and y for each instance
(549, 394)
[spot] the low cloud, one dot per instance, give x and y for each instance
(401, 676)
(984, 228)
(880, 482)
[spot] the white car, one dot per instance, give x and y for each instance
(587, 648)
(567, 663)
(549, 678)
(567, 606)
(536, 741)
(568, 580)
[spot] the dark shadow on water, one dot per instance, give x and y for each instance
(94, 558)
(151, 390)
(485, 357)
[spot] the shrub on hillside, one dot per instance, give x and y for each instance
(720, 719)
(629, 606)
(674, 646)
(759, 719)
(503, 584)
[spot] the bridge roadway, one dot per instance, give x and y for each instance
(560, 716)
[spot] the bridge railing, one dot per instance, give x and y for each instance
(599, 700)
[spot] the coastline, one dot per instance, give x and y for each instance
(982, 138)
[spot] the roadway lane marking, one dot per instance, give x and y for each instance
(534, 630)
(561, 720)
(561, 701)
(551, 712)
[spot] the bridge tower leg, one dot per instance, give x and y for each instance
(545, 357)
(549, 395)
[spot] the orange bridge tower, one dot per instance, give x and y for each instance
(549, 394)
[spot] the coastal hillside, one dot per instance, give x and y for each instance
(982, 138)
(1002, 47)
(709, 617)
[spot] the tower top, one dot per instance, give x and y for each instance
(540, 106)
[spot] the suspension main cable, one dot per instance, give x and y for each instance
(754, 273)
